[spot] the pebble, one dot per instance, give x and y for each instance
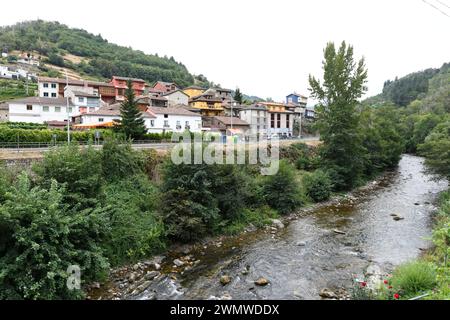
(178, 262)
(262, 282)
(224, 280)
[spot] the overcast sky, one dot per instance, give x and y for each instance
(267, 48)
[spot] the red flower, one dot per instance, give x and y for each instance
(396, 296)
(386, 282)
(390, 287)
(363, 284)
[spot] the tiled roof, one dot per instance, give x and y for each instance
(173, 111)
(227, 121)
(114, 110)
(74, 82)
(171, 92)
(42, 101)
(126, 79)
(195, 88)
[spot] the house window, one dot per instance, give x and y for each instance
(166, 116)
(70, 109)
(272, 120)
(186, 123)
(91, 109)
(81, 99)
(152, 123)
(166, 123)
(45, 109)
(57, 109)
(45, 94)
(45, 85)
(287, 121)
(29, 107)
(53, 95)
(101, 119)
(54, 85)
(178, 123)
(278, 120)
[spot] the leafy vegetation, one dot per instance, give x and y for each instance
(132, 124)
(13, 89)
(99, 58)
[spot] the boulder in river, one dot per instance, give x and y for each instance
(277, 223)
(224, 280)
(178, 262)
(262, 282)
(327, 294)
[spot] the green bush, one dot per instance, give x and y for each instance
(41, 237)
(120, 161)
(281, 191)
(78, 169)
(413, 279)
(189, 206)
(258, 217)
(136, 231)
(318, 186)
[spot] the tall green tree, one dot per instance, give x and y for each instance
(338, 118)
(238, 96)
(132, 124)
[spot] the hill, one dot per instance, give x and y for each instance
(428, 90)
(89, 55)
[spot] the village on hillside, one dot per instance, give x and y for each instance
(165, 107)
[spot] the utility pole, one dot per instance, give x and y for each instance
(67, 109)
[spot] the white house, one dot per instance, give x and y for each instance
(175, 120)
(48, 89)
(177, 97)
(5, 72)
(86, 99)
(256, 116)
(40, 110)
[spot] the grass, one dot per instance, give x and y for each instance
(258, 217)
(13, 89)
(414, 279)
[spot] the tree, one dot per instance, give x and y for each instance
(338, 117)
(238, 96)
(132, 124)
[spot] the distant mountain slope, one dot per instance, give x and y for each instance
(430, 89)
(91, 55)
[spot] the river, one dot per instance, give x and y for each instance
(308, 255)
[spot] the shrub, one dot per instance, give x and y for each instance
(120, 161)
(189, 206)
(281, 191)
(79, 170)
(258, 217)
(318, 186)
(136, 231)
(413, 278)
(41, 237)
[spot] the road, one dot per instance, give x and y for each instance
(31, 152)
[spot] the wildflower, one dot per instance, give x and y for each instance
(386, 282)
(396, 296)
(363, 284)
(390, 287)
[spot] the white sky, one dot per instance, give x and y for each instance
(267, 48)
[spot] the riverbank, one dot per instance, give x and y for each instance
(228, 266)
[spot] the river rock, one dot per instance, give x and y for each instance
(178, 262)
(132, 277)
(327, 294)
(151, 275)
(262, 282)
(301, 244)
(398, 218)
(157, 266)
(96, 285)
(224, 280)
(339, 231)
(277, 223)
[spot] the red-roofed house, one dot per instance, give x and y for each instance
(120, 85)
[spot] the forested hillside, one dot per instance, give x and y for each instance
(92, 55)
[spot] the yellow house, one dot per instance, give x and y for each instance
(208, 107)
(193, 91)
(274, 106)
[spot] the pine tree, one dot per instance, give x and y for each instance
(132, 124)
(238, 96)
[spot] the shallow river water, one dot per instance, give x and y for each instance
(308, 255)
